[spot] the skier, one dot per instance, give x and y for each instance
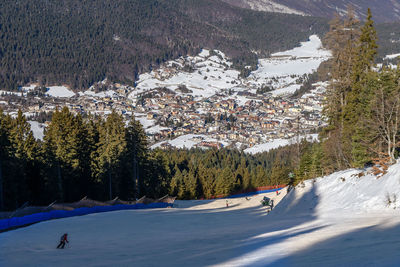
(227, 204)
(271, 204)
(63, 239)
(277, 191)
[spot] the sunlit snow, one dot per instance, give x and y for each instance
(59, 91)
(37, 129)
(349, 218)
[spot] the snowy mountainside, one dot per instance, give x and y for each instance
(283, 69)
(383, 11)
(203, 75)
(265, 5)
(207, 74)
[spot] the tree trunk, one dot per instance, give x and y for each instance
(1, 186)
(110, 184)
(59, 182)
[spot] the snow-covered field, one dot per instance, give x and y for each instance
(284, 68)
(264, 147)
(59, 91)
(344, 219)
(189, 141)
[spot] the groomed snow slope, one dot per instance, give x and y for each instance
(341, 219)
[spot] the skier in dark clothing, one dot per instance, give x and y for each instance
(63, 240)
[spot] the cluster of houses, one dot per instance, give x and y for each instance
(222, 117)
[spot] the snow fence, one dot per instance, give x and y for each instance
(14, 222)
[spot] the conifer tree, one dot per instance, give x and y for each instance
(156, 175)
(112, 146)
(360, 95)
(25, 152)
(175, 182)
(342, 40)
(136, 152)
(224, 182)
(5, 125)
(261, 178)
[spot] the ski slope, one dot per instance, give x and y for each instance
(341, 219)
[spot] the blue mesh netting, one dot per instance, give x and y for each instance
(57, 214)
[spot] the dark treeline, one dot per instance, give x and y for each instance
(388, 39)
(78, 157)
(105, 158)
(206, 173)
(78, 43)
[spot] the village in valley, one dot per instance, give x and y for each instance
(199, 101)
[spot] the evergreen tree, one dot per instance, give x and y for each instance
(25, 185)
(68, 149)
(360, 95)
(224, 183)
(342, 40)
(136, 153)
(175, 183)
(111, 148)
(5, 125)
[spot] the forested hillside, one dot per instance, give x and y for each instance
(80, 42)
(388, 39)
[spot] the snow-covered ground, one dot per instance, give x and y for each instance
(271, 6)
(283, 69)
(210, 73)
(37, 129)
(349, 218)
(189, 141)
(204, 75)
(392, 56)
(108, 93)
(279, 143)
(59, 91)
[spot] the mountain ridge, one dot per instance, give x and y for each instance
(383, 11)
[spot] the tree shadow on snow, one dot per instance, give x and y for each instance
(251, 229)
(368, 246)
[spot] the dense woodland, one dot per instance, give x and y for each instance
(362, 108)
(81, 42)
(103, 159)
